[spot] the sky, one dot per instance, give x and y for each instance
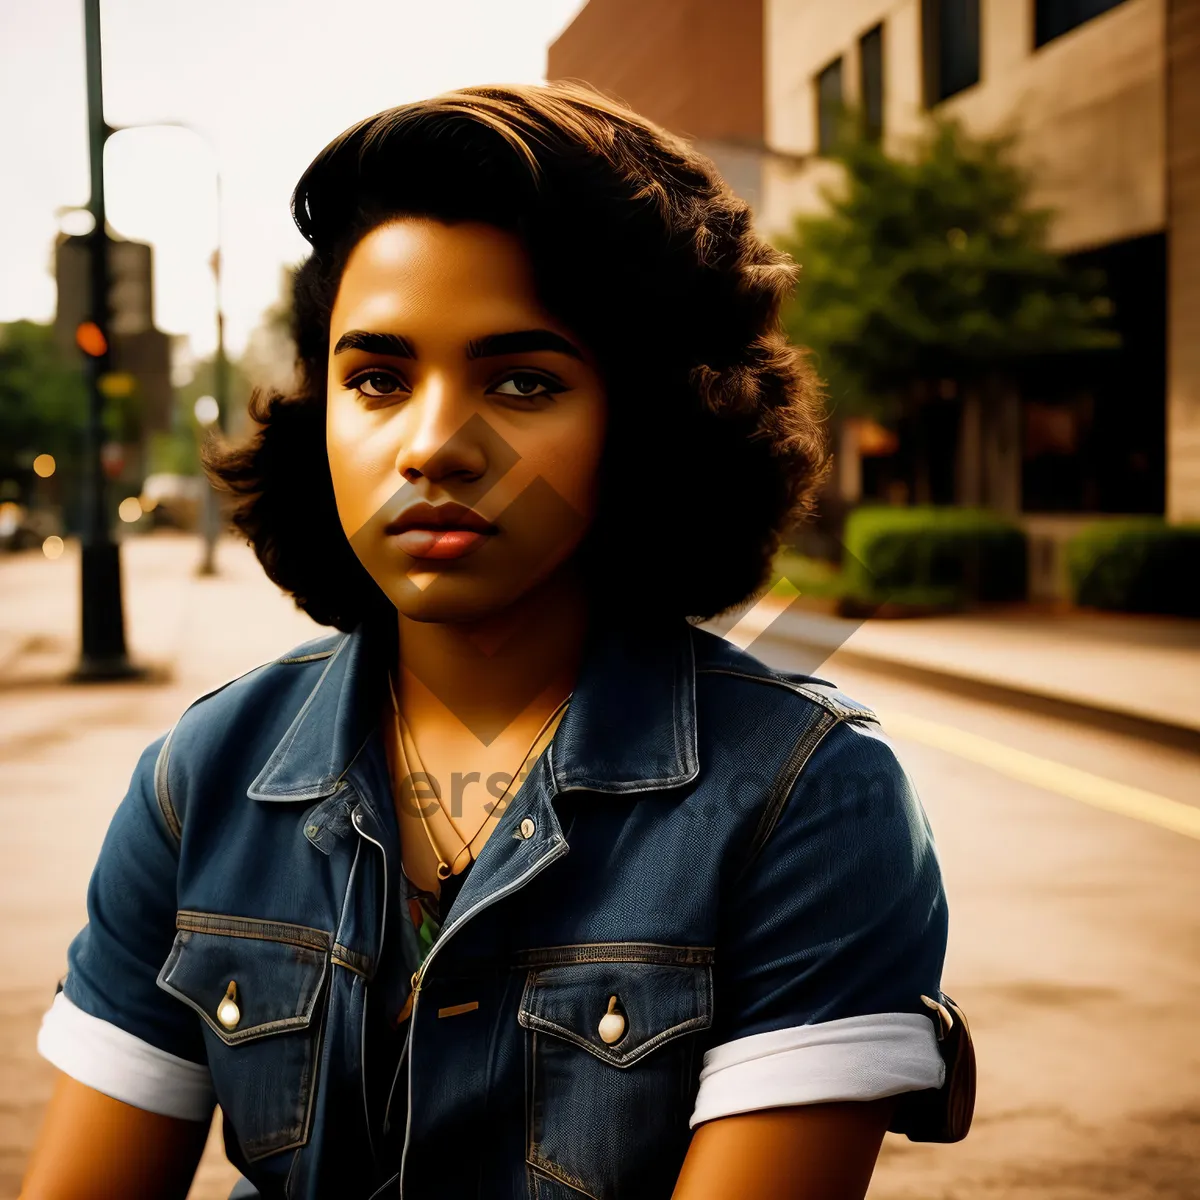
(265, 84)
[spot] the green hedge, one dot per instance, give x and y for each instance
(1137, 565)
(933, 556)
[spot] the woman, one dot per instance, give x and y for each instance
(520, 884)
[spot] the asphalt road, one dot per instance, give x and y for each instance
(1075, 931)
(1074, 939)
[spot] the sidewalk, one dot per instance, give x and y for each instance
(1143, 670)
(186, 629)
(66, 753)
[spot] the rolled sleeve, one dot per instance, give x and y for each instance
(111, 1027)
(832, 937)
(112, 1061)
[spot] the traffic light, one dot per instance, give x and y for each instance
(130, 291)
(89, 337)
(138, 354)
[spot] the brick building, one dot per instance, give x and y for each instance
(693, 66)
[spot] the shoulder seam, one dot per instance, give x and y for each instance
(162, 790)
(304, 658)
(810, 738)
(843, 712)
(162, 777)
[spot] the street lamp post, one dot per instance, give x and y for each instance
(103, 654)
(102, 619)
(212, 506)
(207, 411)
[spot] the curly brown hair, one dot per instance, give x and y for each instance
(716, 422)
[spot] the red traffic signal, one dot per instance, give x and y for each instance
(89, 337)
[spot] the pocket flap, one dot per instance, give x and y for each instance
(655, 1001)
(276, 970)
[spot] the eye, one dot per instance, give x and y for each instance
(377, 384)
(526, 385)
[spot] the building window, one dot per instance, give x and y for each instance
(950, 35)
(829, 106)
(870, 67)
(1053, 18)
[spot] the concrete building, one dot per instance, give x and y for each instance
(1088, 105)
(1104, 99)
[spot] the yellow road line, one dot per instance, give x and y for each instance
(1053, 776)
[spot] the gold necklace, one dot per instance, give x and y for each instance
(445, 869)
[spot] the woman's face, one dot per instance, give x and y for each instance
(465, 423)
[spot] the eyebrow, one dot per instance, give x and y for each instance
(391, 344)
(523, 341)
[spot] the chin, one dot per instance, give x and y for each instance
(448, 600)
(451, 596)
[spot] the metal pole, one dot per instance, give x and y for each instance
(212, 503)
(102, 654)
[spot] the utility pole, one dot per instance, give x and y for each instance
(211, 515)
(103, 654)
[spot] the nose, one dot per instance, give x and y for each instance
(439, 440)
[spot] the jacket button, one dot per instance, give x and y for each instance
(612, 1024)
(228, 1012)
(528, 828)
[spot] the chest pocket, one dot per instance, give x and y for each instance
(613, 1067)
(258, 986)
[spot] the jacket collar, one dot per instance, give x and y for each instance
(631, 723)
(630, 726)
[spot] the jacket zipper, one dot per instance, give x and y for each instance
(533, 869)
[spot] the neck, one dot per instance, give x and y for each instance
(516, 664)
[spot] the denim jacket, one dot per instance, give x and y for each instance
(724, 858)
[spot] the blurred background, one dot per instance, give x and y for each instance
(996, 208)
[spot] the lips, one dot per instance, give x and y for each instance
(446, 530)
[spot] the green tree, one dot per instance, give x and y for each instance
(43, 401)
(932, 266)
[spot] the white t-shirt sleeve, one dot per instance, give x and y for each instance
(854, 1058)
(110, 1060)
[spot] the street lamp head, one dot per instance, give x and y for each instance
(75, 221)
(207, 411)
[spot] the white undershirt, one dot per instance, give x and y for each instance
(112, 1061)
(856, 1058)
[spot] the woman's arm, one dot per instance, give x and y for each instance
(92, 1147)
(134, 1100)
(807, 1152)
(834, 933)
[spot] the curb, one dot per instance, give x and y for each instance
(1113, 720)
